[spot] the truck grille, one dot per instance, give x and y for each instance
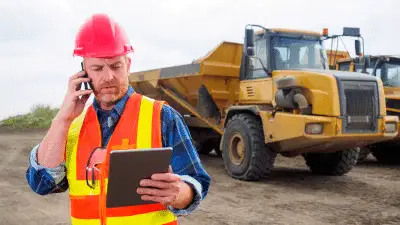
(359, 106)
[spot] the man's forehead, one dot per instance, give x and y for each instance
(102, 61)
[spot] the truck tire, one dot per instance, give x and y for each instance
(245, 155)
(386, 153)
(336, 163)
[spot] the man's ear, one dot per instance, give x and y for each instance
(129, 61)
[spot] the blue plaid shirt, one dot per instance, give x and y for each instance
(185, 160)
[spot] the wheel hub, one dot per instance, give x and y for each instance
(237, 149)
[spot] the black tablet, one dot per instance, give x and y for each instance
(127, 168)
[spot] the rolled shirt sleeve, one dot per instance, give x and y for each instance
(43, 180)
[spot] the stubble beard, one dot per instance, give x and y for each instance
(110, 99)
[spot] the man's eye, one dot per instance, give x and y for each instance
(97, 69)
(115, 67)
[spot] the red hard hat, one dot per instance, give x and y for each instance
(101, 37)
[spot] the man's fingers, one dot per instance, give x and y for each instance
(159, 184)
(162, 200)
(156, 184)
(168, 177)
(84, 98)
(76, 75)
(76, 84)
(82, 92)
(155, 192)
(80, 80)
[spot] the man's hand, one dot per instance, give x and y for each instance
(72, 105)
(167, 189)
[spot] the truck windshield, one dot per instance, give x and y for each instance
(392, 78)
(389, 73)
(297, 53)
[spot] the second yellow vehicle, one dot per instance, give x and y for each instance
(273, 94)
(386, 68)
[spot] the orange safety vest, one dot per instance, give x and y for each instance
(138, 127)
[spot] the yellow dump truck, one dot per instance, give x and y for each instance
(335, 56)
(387, 68)
(274, 94)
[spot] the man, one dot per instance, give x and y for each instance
(119, 118)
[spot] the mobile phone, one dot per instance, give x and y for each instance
(87, 85)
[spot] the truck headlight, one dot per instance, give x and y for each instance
(314, 128)
(390, 127)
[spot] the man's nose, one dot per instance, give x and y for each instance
(109, 74)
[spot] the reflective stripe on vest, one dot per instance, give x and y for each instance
(138, 127)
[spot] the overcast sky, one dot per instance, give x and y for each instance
(37, 37)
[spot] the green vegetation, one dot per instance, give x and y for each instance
(40, 116)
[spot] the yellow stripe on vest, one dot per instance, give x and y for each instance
(153, 218)
(79, 187)
(72, 144)
(145, 123)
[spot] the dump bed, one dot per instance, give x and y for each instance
(216, 75)
(335, 56)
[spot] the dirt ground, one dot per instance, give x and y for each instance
(369, 194)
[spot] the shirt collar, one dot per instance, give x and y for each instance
(119, 106)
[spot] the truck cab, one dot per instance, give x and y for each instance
(282, 49)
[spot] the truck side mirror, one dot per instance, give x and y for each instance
(249, 38)
(351, 31)
(358, 47)
(249, 45)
